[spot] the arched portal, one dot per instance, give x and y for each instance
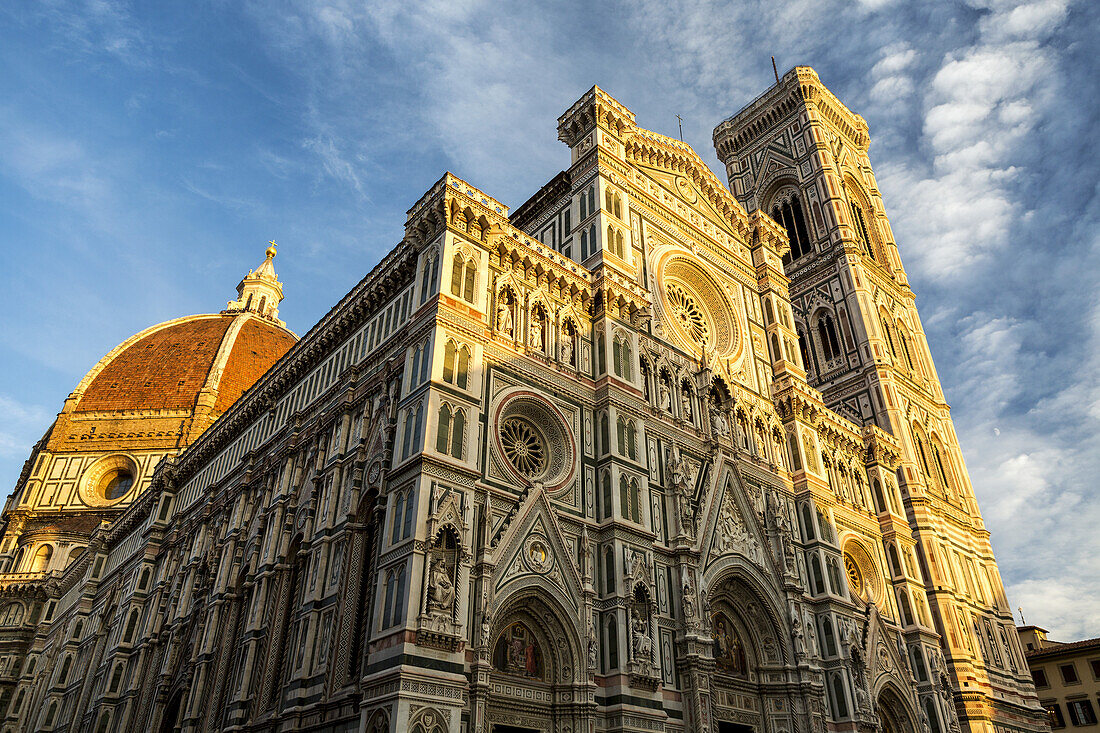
(893, 714)
(536, 669)
(746, 629)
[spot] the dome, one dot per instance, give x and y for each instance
(163, 386)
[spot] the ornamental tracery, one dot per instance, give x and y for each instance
(696, 309)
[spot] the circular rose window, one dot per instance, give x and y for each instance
(523, 446)
(116, 484)
(108, 480)
(700, 314)
(534, 440)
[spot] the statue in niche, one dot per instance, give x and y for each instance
(441, 590)
(536, 330)
(729, 653)
(685, 405)
(643, 645)
(517, 654)
(593, 645)
(797, 635)
(504, 316)
(566, 345)
(665, 395)
(718, 422)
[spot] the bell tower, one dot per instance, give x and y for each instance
(798, 154)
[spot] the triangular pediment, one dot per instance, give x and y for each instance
(533, 549)
(732, 527)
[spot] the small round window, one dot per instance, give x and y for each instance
(116, 484)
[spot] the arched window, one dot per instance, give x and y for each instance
(104, 722)
(804, 349)
(456, 364)
(427, 277)
(826, 332)
(835, 585)
(906, 607)
(42, 557)
(450, 430)
(818, 576)
(609, 570)
(789, 214)
(922, 456)
(919, 670)
(839, 697)
(450, 352)
(612, 643)
(463, 277)
(603, 445)
(605, 494)
(892, 556)
(828, 636)
(51, 713)
(11, 614)
(880, 502)
(635, 501)
(889, 336)
(940, 469)
(116, 678)
(618, 206)
(584, 239)
(624, 497)
(903, 344)
(584, 204)
(807, 523)
(607, 201)
(631, 440)
(591, 199)
(861, 229)
(796, 457)
(131, 626)
(78, 630)
(63, 675)
(930, 711)
(593, 243)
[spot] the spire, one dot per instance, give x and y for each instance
(260, 291)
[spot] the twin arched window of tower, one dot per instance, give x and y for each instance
(463, 277)
(789, 214)
(826, 331)
(860, 225)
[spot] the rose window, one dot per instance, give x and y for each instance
(687, 313)
(523, 446)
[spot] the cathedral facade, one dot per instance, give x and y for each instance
(647, 453)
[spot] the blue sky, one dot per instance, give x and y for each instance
(149, 150)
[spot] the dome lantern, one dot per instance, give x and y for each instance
(260, 291)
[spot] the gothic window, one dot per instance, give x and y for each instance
(116, 678)
(861, 229)
(886, 334)
(593, 243)
(635, 502)
(456, 364)
(621, 356)
(428, 275)
(829, 637)
(11, 614)
(905, 607)
(463, 277)
(940, 469)
(789, 214)
(922, 455)
(413, 430)
(840, 700)
(624, 497)
(804, 349)
(607, 200)
(450, 430)
(618, 201)
(612, 643)
(131, 626)
(818, 576)
(592, 199)
(903, 344)
(603, 438)
(393, 611)
(601, 354)
(584, 243)
(892, 556)
(402, 516)
(584, 205)
(834, 577)
(796, 457)
(880, 502)
(930, 711)
(826, 332)
(609, 570)
(807, 520)
(605, 491)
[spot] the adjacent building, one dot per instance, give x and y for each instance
(1067, 677)
(646, 453)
